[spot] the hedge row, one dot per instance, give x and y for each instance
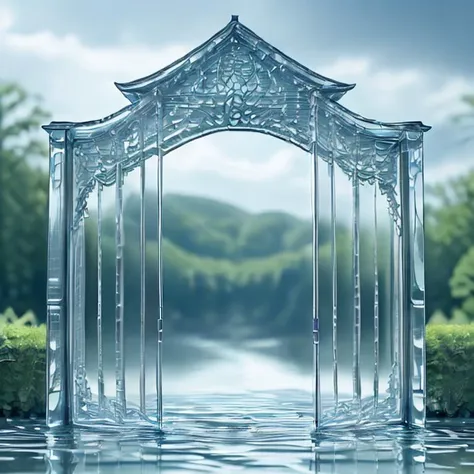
(22, 370)
(450, 370)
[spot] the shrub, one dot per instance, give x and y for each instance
(438, 317)
(9, 317)
(450, 364)
(22, 366)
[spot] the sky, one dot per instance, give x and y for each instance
(410, 61)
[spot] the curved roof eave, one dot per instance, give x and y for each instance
(133, 90)
(413, 126)
(91, 128)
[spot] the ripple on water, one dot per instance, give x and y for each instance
(226, 433)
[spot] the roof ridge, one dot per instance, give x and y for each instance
(133, 90)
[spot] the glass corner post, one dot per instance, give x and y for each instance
(314, 128)
(57, 353)
(159, 177)
(413, 280)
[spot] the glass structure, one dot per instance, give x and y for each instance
(238, 82)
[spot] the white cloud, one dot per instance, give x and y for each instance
(399, 95)
(6, 18)
(457, 163)
(363, 70)
(124, 61)
(347, 69)
(127, 61)
(445, 102)
(389, 81)
(204, 156)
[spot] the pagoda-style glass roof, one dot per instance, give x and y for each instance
(237, 81)
(238, 34)
(241, 41)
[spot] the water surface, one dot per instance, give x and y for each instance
(234, 407)
(249, 432)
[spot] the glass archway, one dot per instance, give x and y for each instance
(238, 82)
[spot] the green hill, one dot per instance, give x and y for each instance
(212, 228)
(224, 268)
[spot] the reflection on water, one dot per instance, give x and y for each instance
(227, 366)
(231, 367)
(232, 407)
(225, 433)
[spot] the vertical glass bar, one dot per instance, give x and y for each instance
(100, 350)
(376, 304)
(77, 317)
(388, 250)
(333, 264)
(142, 274)
(71, 300)
(314, 121)
(120, 405)
(159, 352)
(81, 291)
(397, 376)
(57, 367)
(76, 297)
(417, 296)
(413, 279)
(403, 286)
(356, 377)
(394, 304)
(391, 272)
(71, 195)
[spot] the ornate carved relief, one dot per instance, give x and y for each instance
(235, 89)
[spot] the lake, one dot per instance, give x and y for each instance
(241, 409)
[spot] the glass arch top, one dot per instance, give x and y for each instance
(236, 81)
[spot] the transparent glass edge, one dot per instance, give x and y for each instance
(56, 363)
(413, 299)
(417, 283)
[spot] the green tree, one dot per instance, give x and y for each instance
(449, 234)
(462, 283)
(467, 118)
(23, 201)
